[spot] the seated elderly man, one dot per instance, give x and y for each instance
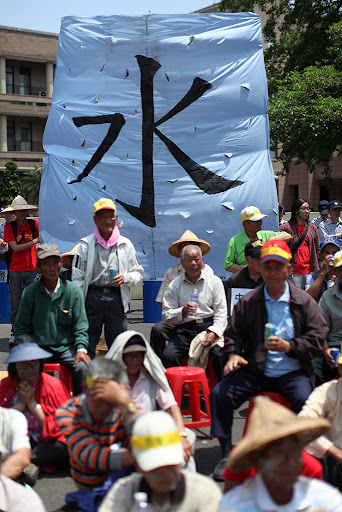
(158, 454)
(280, 363)
(331, 304)
(97, 425)
(272, 444)
(251, 219)
(161, 331)
(320, 280)
(52, 312)
(194, 302)
(326, 402)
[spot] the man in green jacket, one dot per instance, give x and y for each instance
(52, 311)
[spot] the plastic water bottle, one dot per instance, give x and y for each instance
(140, 502)
(194, 300)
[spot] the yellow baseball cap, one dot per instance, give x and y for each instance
(104, 204)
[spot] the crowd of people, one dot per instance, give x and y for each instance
(122, 432)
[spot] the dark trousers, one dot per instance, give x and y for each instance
(104, 309)
(49, 453)
(180, 342)
(323, 372)
(17, 282)
(238, 386)
(160, 337)
(332, 471)
(78, 373)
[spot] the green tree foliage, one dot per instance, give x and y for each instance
(30, 184)
(303, 65)
(9, 184)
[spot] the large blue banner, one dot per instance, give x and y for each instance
(167, 116)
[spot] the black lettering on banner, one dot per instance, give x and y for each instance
(204, 179)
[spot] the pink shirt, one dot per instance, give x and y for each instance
(146, 392)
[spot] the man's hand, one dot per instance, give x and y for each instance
(328, 357)
(81, 356)
(3, 243)
(233, 363)
(277, 344)
(325, 265)
(111, 392)
(188, 309)
(187, 450)
(209, 339)
(118, 280)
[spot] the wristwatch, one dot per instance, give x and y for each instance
(38, 407)
(131, 409)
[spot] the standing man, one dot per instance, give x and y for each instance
(9, 217)
(323, 208)
(282, 363)
(52, 312)
(208, 314)
(332, 226)
(22, 236)
(106, 300)
(251, 219)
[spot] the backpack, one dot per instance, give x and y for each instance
(8, 254)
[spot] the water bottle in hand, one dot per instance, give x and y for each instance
(140, 502)
(194, 301)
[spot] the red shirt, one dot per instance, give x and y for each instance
(25, 260)
(311, 468)
(302, 259)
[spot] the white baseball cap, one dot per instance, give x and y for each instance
(156, 442)
(251, 213)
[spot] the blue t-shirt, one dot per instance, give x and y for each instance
(278, 313)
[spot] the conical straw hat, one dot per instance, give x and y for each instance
(188, 237)
(19, 203)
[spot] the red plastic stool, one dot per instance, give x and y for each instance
(63, 374)
(276, 397)
(193, 377)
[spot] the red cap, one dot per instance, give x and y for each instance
(275, 250)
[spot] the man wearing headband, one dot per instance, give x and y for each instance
(105, 267)
(272, 444)
(161, 331)
(251, 219)
(282, 363)
(158, 455)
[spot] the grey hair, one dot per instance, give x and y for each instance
(191, 246)
(107, 369)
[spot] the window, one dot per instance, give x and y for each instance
(25, 81)
(10, 135)
(9, 79)
(26, 136)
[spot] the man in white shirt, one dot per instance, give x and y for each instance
(13, 433)
(161, 331)
(332, 226)
(272, 445)
(194, 302)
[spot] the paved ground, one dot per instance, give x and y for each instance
(52, 488)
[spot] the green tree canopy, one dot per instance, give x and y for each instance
(30, 181)
(9, 184)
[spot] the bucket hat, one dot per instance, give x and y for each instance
(188, 237)
(156, 442)
(19, 203)
(26, 352)
(268, 422)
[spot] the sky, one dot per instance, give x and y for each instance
(46, 16)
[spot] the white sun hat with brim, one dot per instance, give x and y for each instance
(156, 441)
(268, 422)
(252, 213)
(19, 203)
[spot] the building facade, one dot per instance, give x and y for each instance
(27, 62)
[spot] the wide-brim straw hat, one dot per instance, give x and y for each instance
(65, 255)
(19, 203)
(188, 237)
(270, 422)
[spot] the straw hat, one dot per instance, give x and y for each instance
(19, 203)
(269, 422)
(188, 237)
(65, 255)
